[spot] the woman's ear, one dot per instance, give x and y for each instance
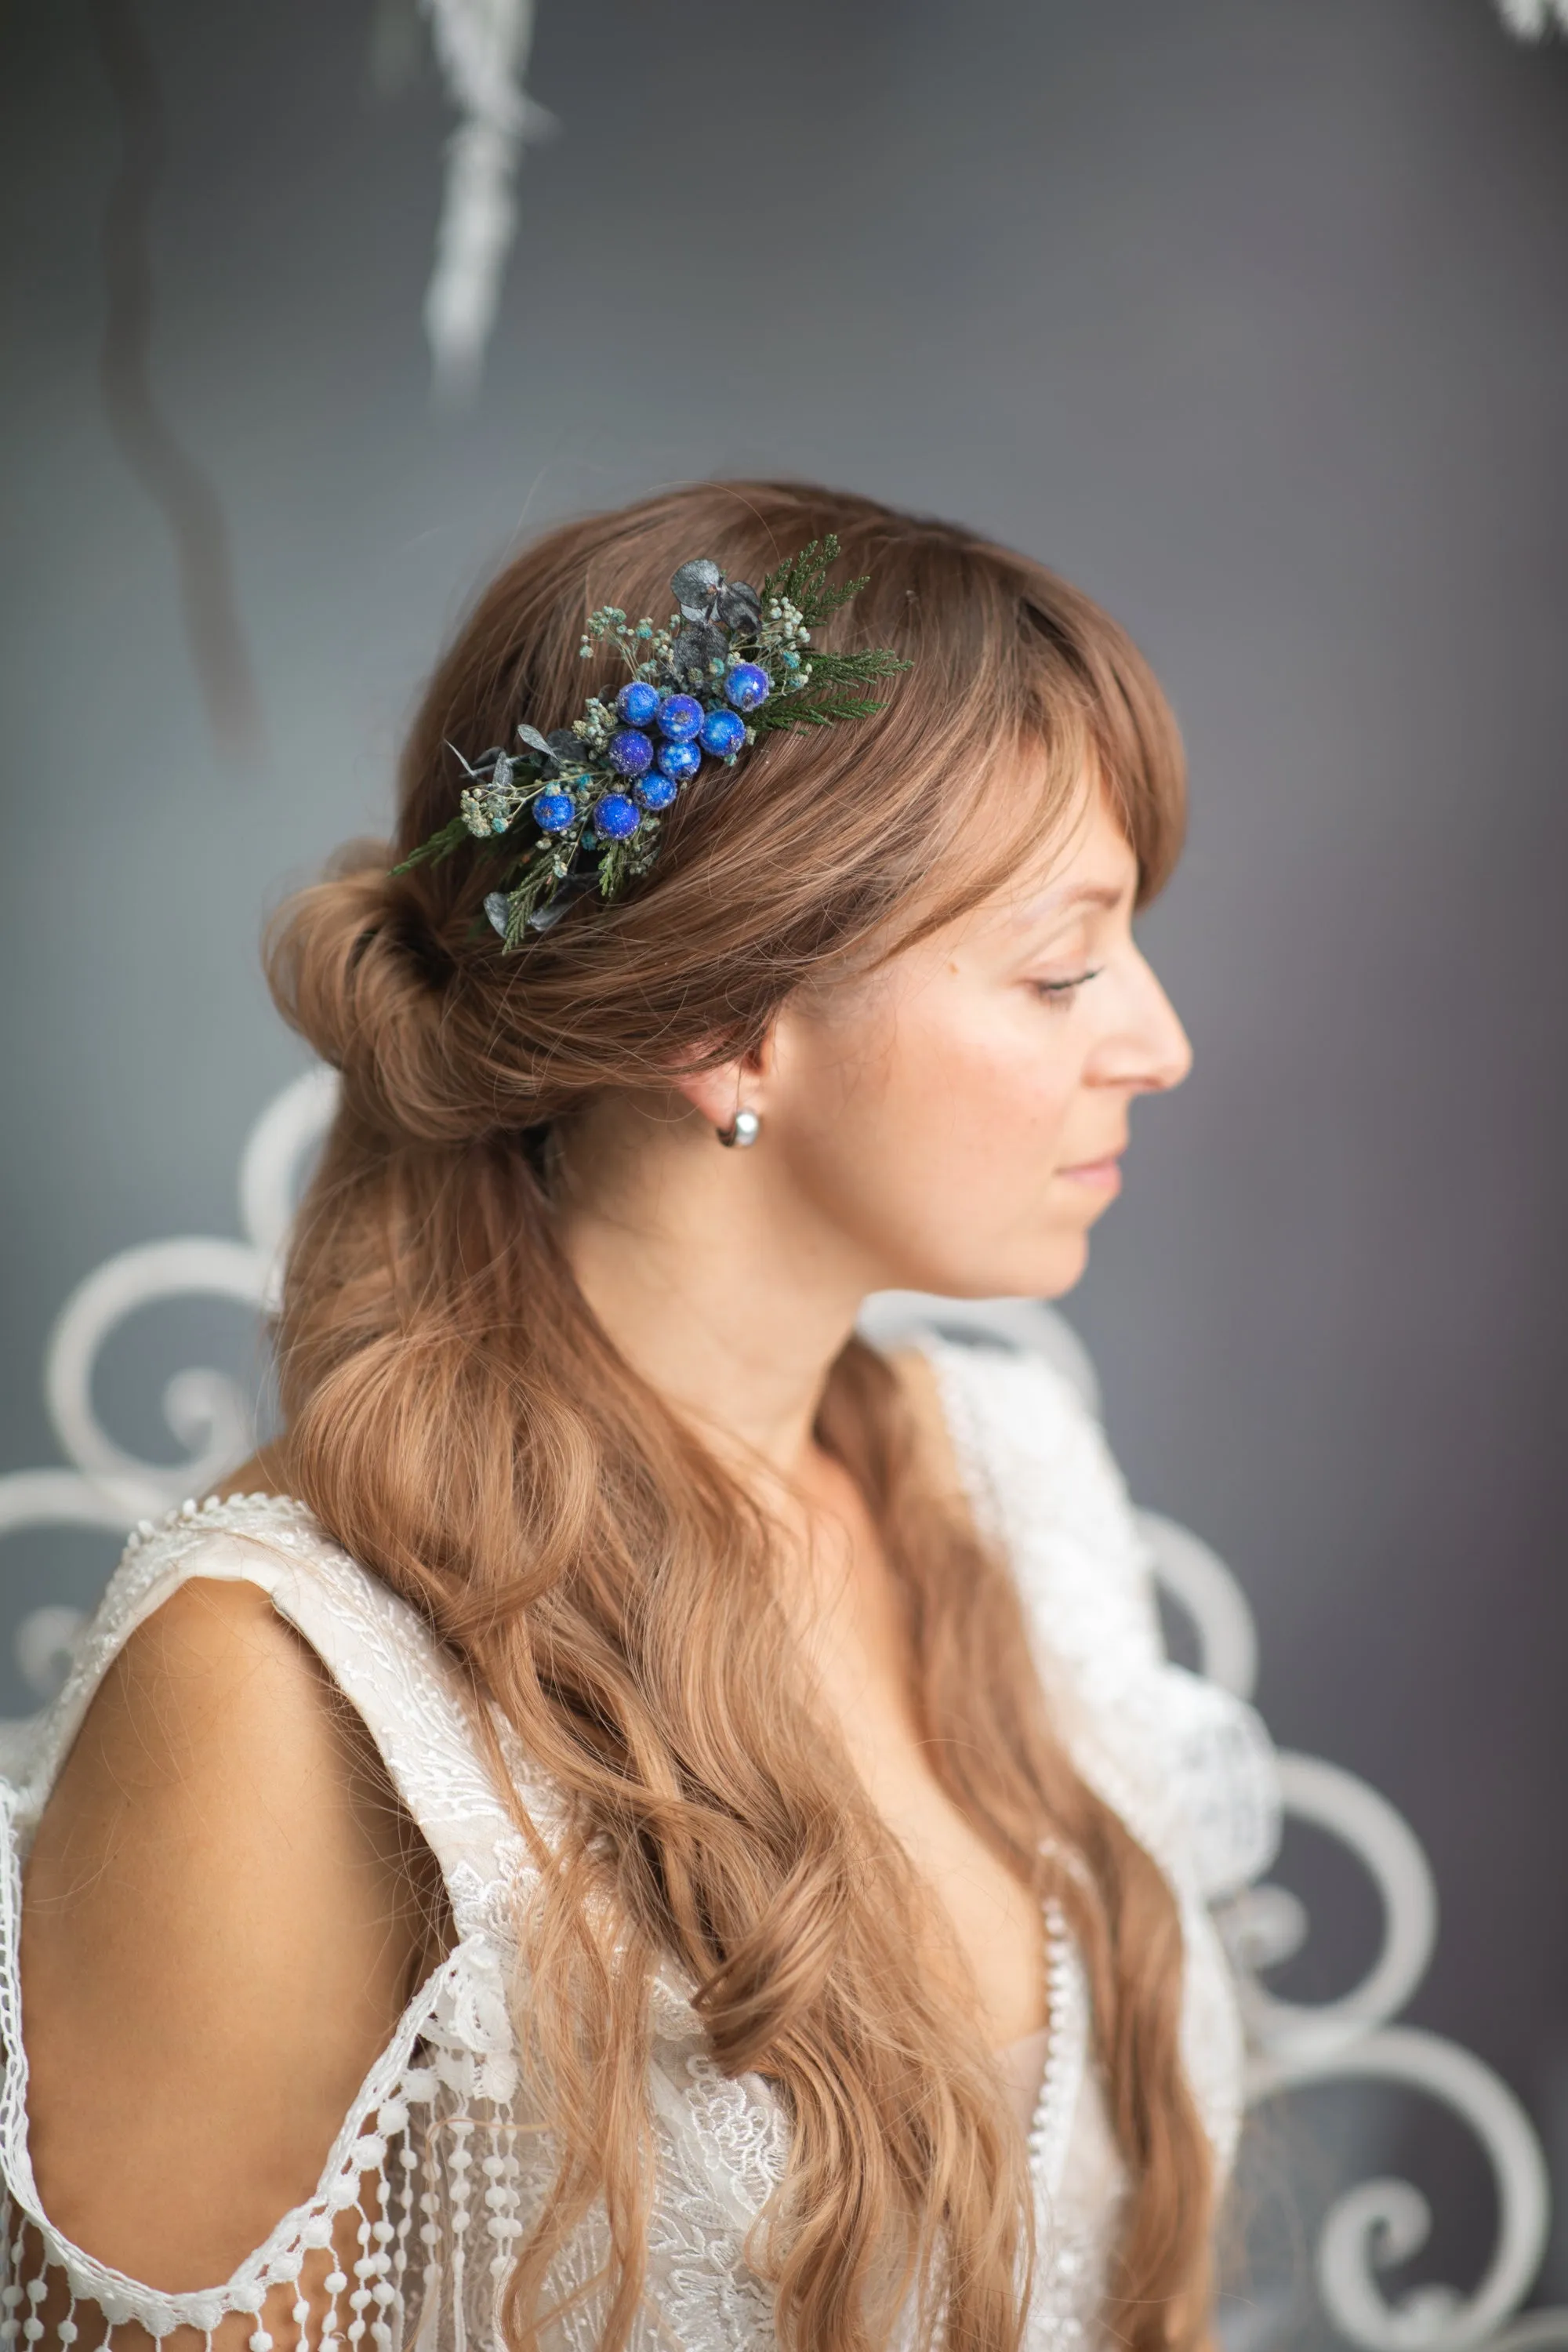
(718, 1093)
(713, 1094)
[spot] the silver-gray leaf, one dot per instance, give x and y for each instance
(695, 587)
(534, 740)
(496, 908)
(698, 644)
(740, 606)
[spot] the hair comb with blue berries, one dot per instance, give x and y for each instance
(580, 809)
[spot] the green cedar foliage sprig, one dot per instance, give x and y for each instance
(440, 845)
(809, 705)
(803, 581)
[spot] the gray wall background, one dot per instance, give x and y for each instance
(1248, 317)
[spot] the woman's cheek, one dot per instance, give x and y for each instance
(1005, 1070)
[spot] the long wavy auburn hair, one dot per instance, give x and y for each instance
(463, 1426)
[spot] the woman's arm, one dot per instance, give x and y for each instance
(224, 1912)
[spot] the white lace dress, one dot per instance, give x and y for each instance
(432, 2177)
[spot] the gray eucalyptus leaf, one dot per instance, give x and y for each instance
(698, 644)
(695, 585)
(740, 606)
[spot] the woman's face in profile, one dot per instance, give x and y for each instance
(958, 1114)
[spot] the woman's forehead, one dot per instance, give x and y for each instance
(1085, 861)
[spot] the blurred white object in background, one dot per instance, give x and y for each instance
(1530, 19)
(482, 48)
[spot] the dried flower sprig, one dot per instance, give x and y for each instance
(580, 811)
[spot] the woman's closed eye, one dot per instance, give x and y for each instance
(1061, 993)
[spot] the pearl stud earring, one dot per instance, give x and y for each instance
(743, 1130)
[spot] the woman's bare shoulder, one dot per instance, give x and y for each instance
(224, 1911)
(212, 1698)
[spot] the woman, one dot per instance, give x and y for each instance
(642, 1821)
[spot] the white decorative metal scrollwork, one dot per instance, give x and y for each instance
(287, 1132)
(1294, 2044)
(107, 1487)
(1262, 1932)
(204, 1408)
(1198, 1580)
(1381, 2223)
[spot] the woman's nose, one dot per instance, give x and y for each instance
(1174, 1050)
(1151, 1051)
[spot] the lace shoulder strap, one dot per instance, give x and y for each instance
(379, 1651)
(1044, 1483)
(1189, 1767)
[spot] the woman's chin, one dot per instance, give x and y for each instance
(1041, 1272)
(1066, 1267)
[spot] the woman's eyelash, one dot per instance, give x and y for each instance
(1062, 992)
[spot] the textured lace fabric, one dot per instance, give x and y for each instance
(438, 2169)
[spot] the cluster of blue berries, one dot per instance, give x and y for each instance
(659, 747)
(597, 790)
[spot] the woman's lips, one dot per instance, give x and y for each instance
(1100, 1175)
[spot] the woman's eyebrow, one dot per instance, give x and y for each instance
(1078, 894)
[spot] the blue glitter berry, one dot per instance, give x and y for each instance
(553, 812)
(656, 791)
(629, 753)
(747, 685)
(679, 717)
(637, 703)
(723, 734)
(678, 761)
(616, 817)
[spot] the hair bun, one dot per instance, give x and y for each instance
(352, 969)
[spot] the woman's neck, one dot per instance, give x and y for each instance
(712, 1276)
